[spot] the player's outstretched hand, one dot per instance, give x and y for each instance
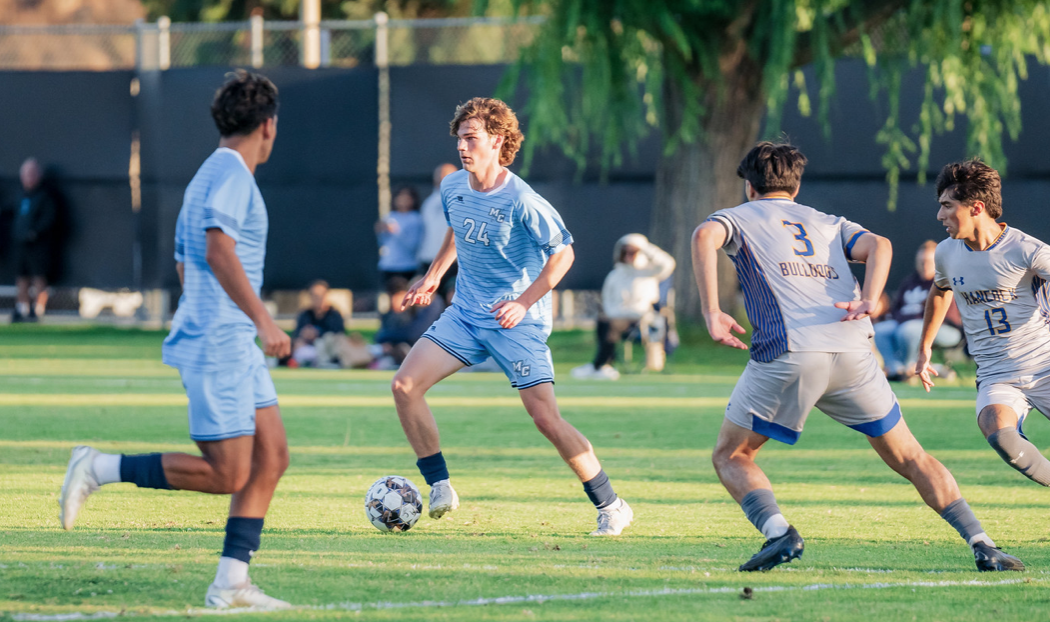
(275, 342)
(855, 309)
(923, 369)
(721, 326)
(420, 293)
(509, 313)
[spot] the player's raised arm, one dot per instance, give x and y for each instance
(938, 301)
(221, 256)
(423, 290)
(510, 312)
(876, 253)
(707, 239)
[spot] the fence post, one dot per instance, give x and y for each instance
(383, 65)
(310, 13)
(256, 22)
(163, 42)
(326, 47)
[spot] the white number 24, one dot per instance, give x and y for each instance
(482, 235)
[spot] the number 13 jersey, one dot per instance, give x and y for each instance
(1001, 294)
(503, 239)
(793, 266)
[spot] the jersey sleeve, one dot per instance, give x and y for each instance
(1039, 262)
(544, 224)
(940, 274)
(226, 206)
(180, 238)
(727, 220)
(849, 233)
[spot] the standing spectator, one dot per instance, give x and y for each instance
(400, 234)
(628, 296)
(434, 229)
(898, 337)
(313, 324)
(33, 237)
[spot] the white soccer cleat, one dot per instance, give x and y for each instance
(614, 519)
(443, 498)
(583, 372)
(247, 595)
(606, 372)
(80, 482)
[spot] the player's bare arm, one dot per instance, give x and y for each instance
(938, 301)
(510, 312)
(423, 290)
(221, 256)
(876, 253)
(707, 239)
(180, 269)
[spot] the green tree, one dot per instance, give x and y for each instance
(708, 72)
(237, 10)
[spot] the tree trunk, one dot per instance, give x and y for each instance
(699, 178)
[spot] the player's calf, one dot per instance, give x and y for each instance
(1021, 454)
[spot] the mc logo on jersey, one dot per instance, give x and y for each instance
(521, 369)
(497, 214)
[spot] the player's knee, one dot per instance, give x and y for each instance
(403, 387)
(548, 423)
(230, 479)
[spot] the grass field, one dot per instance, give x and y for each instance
(517, 549)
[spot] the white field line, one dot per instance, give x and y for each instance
(517, 600)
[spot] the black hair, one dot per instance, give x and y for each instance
(244, 102)
(771, 167)
(972, 180)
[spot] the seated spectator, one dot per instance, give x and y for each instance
(400, 330)
(898, 336)
(400, 233)
(318, 320)
(628, 296)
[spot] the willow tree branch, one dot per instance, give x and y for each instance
(858, 16)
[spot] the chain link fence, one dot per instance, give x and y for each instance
(350, 43)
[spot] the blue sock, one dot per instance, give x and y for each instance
(433, 468)
(242, 537)
(144, 470)
(600, 490)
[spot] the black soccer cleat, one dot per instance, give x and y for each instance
(990, 558)
(777, 551)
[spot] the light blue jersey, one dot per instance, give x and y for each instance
(503, 240)
(209, 331)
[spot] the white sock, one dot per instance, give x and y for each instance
(981, 537)
(231, 573)
(775, 526)
(106, 468)
(439, 482)
(23, 308)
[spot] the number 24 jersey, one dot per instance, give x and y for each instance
(1002, 297)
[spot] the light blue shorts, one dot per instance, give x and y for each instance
(521, 352)
(223, 402)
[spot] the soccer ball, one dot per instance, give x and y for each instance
(393, 503)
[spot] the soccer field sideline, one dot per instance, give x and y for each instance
(530, 599)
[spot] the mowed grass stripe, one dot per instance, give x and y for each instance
(372, 401)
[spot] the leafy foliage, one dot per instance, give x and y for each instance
(600, 70)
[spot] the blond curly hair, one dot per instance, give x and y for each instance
(499, 120)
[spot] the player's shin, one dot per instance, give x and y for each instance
(1021, 454)
(959, 515)
(760, 507)
(143, 470)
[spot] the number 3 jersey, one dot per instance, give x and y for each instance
(1001, 294)
(503, 239)
(793, 266)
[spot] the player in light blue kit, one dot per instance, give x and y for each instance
(220, 244)
(512, 249)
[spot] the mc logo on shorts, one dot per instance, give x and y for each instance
(521, 369)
